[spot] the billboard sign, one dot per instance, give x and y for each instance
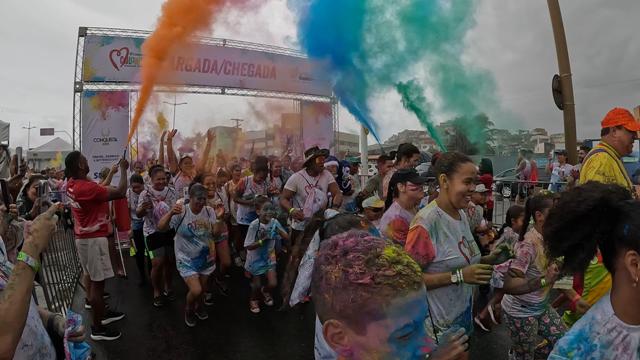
(105, 126)
(118, 59)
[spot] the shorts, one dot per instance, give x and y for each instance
(164, 251)
(94, 258)
(197, 266)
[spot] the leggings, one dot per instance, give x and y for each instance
(138, 240)
(524, 331)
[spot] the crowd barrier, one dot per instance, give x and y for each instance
(512, 192)
(61, 269)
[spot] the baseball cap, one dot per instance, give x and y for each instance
(480, 188)
(408, 175)
(372, 202)
(620, 117)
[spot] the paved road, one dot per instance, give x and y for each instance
(231, 332)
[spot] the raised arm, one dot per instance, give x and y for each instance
(202, 162)
(119, 192)
(112, 171)
(173, 160)
(161, 150)
(337, 195)
(16, 296)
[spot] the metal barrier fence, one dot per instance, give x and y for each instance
(512, 192)
(60, 270)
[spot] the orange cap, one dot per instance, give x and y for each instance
(620, 117)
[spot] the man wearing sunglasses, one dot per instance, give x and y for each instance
(373, 209)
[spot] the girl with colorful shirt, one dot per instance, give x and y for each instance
(405, 193)
(590, 218)
(261, 253)
(527, 285)
(441, 242)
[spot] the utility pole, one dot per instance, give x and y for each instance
(566, 86)
(237, 121)
(174, 103)
(28, 128)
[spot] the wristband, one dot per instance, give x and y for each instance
(292, 210)
(260, 242)
(27, 259)
(543, 282)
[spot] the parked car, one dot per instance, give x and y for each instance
(505, 183)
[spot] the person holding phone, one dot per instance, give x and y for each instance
(89, 203)
(28, 202)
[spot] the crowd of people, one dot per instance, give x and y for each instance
(403, 266)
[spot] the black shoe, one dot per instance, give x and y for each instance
(158, 301)
(112, 316)
(170, 295)
(223, 288)
(106, 295)
(104, 334)
(88, 306)
(208, 299)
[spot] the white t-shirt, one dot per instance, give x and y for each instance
(442, 244)
(132, 202)
(262, 259)
(162, 201)
(302, 184)
(600, 334)
(559, 173)
(246, 214)
(193, 233)
(394, 224)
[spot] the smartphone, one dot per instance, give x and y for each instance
(44, 195)
(18, 158)
(5, 192)
(185, 195)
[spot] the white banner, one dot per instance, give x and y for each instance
(117, 59)
(317, 125)
(105, 126)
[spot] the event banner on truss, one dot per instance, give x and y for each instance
(317, 125)
(117, 59)
(105, 126)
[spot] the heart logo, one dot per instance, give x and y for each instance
(119, 57)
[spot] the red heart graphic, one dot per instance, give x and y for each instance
(121, 56)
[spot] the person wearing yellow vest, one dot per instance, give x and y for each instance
(603, 164)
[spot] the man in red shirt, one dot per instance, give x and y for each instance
(90, 207)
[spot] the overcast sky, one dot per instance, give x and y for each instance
(512, 39)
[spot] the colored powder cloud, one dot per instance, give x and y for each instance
(372, 46)
(103, 101)
(179, 21)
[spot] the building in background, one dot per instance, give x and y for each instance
(419, 138)
(348, 143)
(49, 155)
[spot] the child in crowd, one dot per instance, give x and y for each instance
(371, 301)
(216, 199)
(261, 253)
(508, 235)
(136, 186)
(527, 284)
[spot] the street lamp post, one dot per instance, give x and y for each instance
(28, 128)
(566, 86)
(174, 103)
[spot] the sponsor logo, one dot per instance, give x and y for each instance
(123, 57)
(105, 139)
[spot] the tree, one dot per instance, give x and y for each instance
(470, 135)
